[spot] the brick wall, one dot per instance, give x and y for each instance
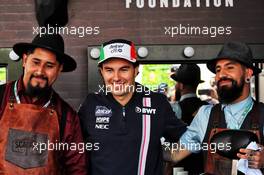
(144, 26)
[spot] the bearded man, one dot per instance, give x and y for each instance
(33, 117)
(236, 112)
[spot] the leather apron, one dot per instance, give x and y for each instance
(217, 164)
(25, 132)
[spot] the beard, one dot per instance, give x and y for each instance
(178, 95)
(229, 94)
(37, 91)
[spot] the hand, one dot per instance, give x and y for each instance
(255, 158)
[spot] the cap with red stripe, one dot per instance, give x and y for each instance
(118, 48)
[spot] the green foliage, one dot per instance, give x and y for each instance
(2, 74)
(154, 74)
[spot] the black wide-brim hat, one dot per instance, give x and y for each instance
(189, 74)
(51, 42)
(236, 51)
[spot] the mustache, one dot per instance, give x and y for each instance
(224, 79)
(39, 76)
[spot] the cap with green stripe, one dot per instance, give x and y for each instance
(118, 48)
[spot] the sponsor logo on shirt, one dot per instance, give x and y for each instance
(147, 111)
(103, 111)
(102, 119)
(102, 122)
(101, 126)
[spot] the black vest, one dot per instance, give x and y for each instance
(189, 106)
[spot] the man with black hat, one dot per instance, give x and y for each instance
(126, 118)
(35, 121)
(188, 77)
(236, 112)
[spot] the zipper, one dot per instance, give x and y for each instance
(124, 112)
(123, 127)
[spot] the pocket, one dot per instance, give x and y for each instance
(26, 149)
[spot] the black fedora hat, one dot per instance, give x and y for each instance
(236, 51)
(52, 42)
(189, 74)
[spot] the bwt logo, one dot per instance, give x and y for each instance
(103, 111)
(145, 110)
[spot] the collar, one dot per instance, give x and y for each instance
(238, 107)
(188, 95)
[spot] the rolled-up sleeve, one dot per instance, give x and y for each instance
(193, 137)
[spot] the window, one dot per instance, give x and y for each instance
(9, 70)
(3, 75)
(156, 76)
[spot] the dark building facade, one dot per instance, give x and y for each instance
(160, 25)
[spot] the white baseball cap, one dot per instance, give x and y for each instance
(118, 48)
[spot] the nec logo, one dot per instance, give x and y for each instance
(103, 111)
(145, 110)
